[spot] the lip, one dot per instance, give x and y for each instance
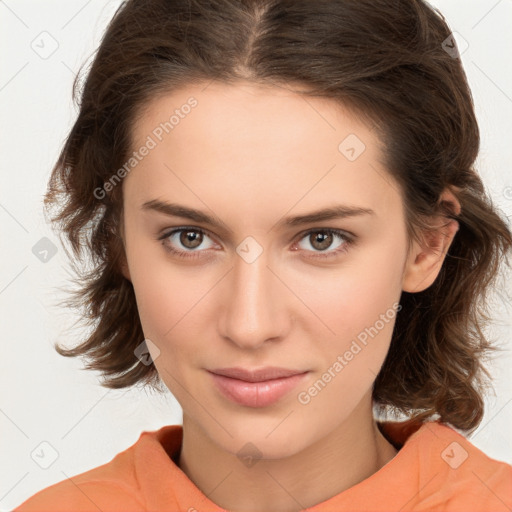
(256, 388)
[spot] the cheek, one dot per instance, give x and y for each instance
(164, 291)
(355, 308)
(361, 308)
(354, 295)
(165, 298)
(172, 301)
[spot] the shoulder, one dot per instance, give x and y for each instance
(456, 475)
(142, 477)
(111, 486)
(86, 496)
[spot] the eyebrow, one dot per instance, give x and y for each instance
(331, 213)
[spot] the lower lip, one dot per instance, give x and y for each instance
(256, 394)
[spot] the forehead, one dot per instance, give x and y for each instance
(246, 143)
(221, 116)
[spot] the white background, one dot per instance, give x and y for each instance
(46, 397)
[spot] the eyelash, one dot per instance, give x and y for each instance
(348, 241)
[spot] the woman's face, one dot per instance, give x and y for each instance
(251, 288)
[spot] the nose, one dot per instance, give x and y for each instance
(256, 304)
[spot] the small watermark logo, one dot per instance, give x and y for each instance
(44, 455)
(249, 250)
(45, 45)
(147, 352)
(455, 45)
(44, 249)
(249, 455)
(351, 147)
(454, 455)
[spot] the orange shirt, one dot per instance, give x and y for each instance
(435, 469)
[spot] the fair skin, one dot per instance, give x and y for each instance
(251, 156)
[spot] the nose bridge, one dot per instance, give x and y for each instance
(255, 308)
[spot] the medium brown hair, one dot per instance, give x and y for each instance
(389, 62)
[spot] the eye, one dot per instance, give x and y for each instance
(188, 242)
(320, 240)
(186, 238)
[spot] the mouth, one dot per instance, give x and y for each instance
(256, 388)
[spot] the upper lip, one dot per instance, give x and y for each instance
(257, 375)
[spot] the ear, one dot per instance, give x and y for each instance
(426, 259)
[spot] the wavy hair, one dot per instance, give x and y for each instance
(396, 64)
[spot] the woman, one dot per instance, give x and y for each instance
(288, 232)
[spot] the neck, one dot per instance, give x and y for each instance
(349, 454)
